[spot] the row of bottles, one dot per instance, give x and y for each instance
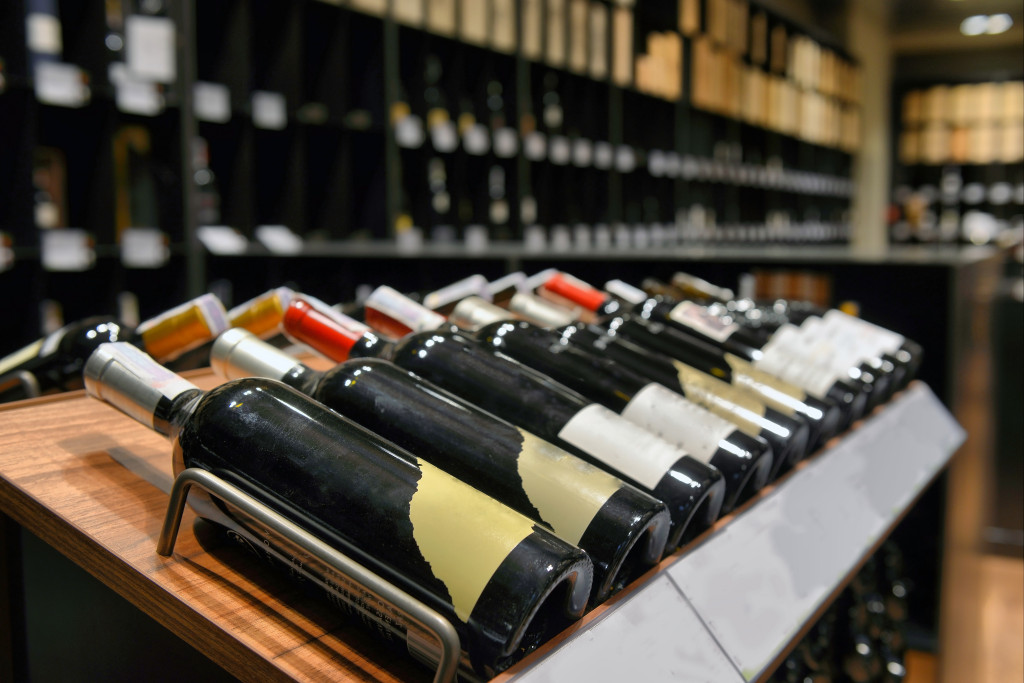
(521, 423)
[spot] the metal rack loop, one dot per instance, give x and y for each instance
(416, 615)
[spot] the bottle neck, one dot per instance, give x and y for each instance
(333, 334)
(396, 315)
(125, 377)
(239, 353)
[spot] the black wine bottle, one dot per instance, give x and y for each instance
(637, 398)
(621, 528)
(693, 491)
(54, 363)
(745, 469)
(486, 568)
(786, 431)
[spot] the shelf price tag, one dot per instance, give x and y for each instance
(149, 47)
(211, 102)
(64, 85)
(134, 95)
(67, 249)
(222, 240)
(144, 248)
(269, 110)
(278, 239)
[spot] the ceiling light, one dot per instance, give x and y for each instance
(999, 23)
(974, 25)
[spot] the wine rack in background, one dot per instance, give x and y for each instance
(959, 163)
(369, 127)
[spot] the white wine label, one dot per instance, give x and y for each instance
(463, 534)
(697, 318)
(132, 381)
(13, 360)
(675, 419)
(399, 307)
(775, 392)
(546, 469)
(785, 356)
(620, 444)
(742, 410)
(883, 340)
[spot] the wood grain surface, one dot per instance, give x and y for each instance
(92, 483)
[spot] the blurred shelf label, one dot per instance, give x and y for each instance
(144, 248)
(43, 33)
(67, 249)
(134, 95)
(64, 85)
(6, 252)
(222, 240)
(279, 239)
(150, 47)
(211, 102)
(269, 110)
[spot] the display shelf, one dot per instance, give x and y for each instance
(732, 604)
(95, 488)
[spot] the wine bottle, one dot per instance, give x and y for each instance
(693, 491)
(486, 568)
(746, 464)
(640, 400)
(54, 363)
(665, 327)
(621, 528)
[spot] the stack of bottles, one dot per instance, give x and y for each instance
(511, 453)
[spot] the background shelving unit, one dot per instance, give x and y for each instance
(556, 125)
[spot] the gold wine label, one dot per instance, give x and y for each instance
(546, 469)
(183, 328)
(721, 398)
(463, 534)
(9, 362)
(263, 314)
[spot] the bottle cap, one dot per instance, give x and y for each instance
(626, 291)
(541, 312)
(329, 332)
(473, 313)
(577, 291)
(131, 381)
(396, 315)
(502, 289)
(183, 328)
(444, 300)
(239, 353)
(263, 314)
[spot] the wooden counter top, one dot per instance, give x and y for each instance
(93, 483)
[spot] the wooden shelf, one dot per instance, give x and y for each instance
(93, 484)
